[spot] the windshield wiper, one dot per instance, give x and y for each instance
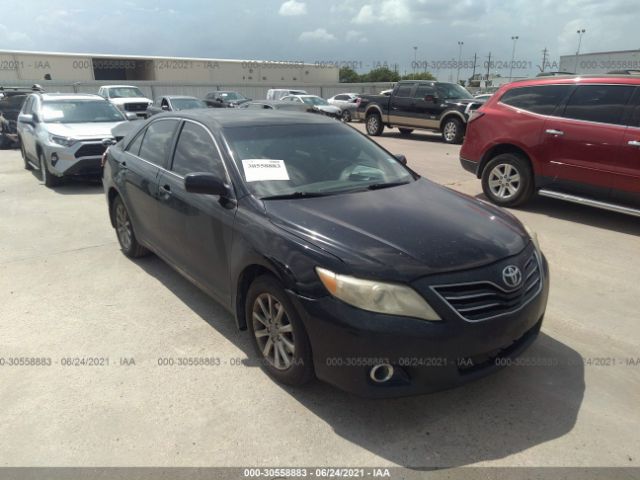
(295, 195)
(378, 186)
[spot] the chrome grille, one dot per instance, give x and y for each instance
(135, 107)
(479, 301)
(90, 150)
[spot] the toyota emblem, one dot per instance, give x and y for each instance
(512, 276)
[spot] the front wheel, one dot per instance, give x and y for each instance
(278, 334)
(27, 165)
(346, 116)
(374, 124)
(452, 131)
(124, 230)
(47, 178)
(507, 180)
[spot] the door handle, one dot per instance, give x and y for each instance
(551, 131)
(123, 165)
(634, 143)
(166, 189)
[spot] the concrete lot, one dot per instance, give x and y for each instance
(67, 291)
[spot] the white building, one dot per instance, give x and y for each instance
(600, 62)
(38, 67)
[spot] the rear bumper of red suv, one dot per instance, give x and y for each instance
(469, 165)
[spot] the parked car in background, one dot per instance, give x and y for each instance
(278, 93)
(174, 103)
(317, 103)
(324, 246)
(570, 138)
(414, 104)
(61, 134)
(11, 101)
(277, 105)
(127, 98)
(348, 103)
(225, 99)
(483, 96)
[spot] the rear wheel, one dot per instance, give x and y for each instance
(278, 334)
(452, 131)
(374, 124)
(45, 175)
(124, 230)
(507, 180)
(346, 116)
(405, 131)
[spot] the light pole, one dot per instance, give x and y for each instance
(415, 56)
(580, 32)
(513, 56)
(460, 44)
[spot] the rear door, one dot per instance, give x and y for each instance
(197, 228)
(27, 131)
(582, 141)
(144, 158)
(425, 110)
(400, 104)
(626, 186)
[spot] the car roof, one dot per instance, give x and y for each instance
(119, 86)
(70, 96)
(570, 79)
(180, 96)
(232, 117)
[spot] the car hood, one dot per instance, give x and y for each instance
(122, 101)
(328, 108)
(83, 130)
(403, 232)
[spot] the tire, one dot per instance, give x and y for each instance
(289, 359)
(452, 131)
(507, 180)
(374, 124)
(346, 116)
(27, 165)
(125, 232)
(48, 180)
(405, 131)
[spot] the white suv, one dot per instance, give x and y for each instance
(127, 98)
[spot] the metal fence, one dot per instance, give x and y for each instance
(156, 89)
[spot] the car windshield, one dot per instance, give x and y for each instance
(80, 111)
(230, 96)
(314, 101)
(311, 159)
(125, 92)
(187, 103)
(448, 91)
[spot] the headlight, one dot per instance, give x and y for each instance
(534, 237)
(389, 298)
(64, 141)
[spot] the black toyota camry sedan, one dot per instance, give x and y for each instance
(342, 262)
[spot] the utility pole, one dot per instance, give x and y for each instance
(580, 34)
(488, 67)
(513, 56)
(415, 56)
(544, 58)
(460, 44)
(475, 56)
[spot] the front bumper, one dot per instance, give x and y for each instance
(426, 356)
(81, 159)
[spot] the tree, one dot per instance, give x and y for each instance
(382, 74)
(419, 76)
(348, 75)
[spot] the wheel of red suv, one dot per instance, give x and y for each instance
(452, 131)
(346, 116)
(374, 124)
(124, 231)
(507, 180)
(45, 175)
(278, 335)
(405, 131)
(27, 165)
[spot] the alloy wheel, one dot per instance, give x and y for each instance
(450, 131)
(372, 124)
(273, 331)
(123, 226)
(504, 181)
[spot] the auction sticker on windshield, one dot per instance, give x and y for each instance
(260, 170)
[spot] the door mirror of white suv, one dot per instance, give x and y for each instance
(26, 118)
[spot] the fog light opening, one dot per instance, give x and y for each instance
(381, 373)
(54, 159)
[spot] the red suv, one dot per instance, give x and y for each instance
(572, 138)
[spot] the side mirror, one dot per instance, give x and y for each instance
(26, 118)
(401, 158)
(165, 108)
(107, 142)
(431, 99)
(205, 183)
(131, 115)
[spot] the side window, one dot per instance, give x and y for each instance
(157, 141)
(164, 103)
(599, 103)
(424, 90)
(196, 152)
(27, 105)
(542, 99)
(404, 90)
(134, 147)
(341, 97)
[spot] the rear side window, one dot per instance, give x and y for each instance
(134, 147)
(542, 99)
(404, 91)
(599, 103)
(196, 152)
(424, 90)
(157, 141)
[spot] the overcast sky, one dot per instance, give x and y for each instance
(366, 32)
